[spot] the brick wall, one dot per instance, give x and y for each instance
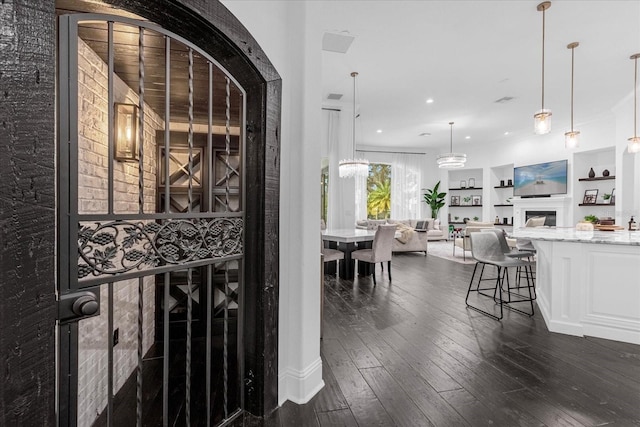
(93, 198)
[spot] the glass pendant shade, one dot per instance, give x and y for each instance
(350, 168)
(542, 119)
(451, 160)
(572, 139)
(542, 122)
(633, 143)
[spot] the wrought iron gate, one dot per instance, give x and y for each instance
(151, 224)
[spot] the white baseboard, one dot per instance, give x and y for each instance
(300, 386)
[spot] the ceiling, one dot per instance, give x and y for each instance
(468, 55)
(125, 40)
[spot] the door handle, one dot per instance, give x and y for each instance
(78, 305)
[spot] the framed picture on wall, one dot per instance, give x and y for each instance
(476, 200)
(590, 197)
(455, 201)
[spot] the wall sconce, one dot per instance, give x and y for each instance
(126, 132)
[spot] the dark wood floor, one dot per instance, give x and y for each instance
(410, 354)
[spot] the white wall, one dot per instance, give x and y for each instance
(290, 34)
(293, 45)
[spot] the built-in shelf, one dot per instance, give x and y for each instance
(462, 223)
(503, 186)
(503, 206)
(597, 204)
(466, 188)
(465, 206)
(597, 178)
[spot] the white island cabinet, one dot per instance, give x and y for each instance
(588, 282)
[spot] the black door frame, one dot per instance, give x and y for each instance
(28, 202)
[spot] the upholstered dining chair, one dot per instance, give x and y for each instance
(380, 251)
(329, 255)
(486, 250)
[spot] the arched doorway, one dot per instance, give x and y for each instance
(170, 234)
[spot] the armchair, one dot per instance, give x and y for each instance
(464, 242)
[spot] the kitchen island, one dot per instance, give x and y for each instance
(588, 282)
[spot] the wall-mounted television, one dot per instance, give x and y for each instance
(540, 180)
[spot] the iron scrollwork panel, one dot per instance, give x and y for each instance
(117, 247)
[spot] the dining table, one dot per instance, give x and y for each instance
(348, 240)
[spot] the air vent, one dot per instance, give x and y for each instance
(334, 96)
(503, 99)
(339, 43)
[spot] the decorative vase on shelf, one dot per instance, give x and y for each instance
(472, 182)
(592, 174)
(605, 172)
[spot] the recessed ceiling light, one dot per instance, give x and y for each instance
(379, 131)
(429, 100)
(425, 134)
(506, 133)
(467, 137)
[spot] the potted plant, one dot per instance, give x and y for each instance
(591, 218)
(475, 218)
(435, 200)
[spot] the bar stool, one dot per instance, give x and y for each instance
(508, 251)
(486, 250)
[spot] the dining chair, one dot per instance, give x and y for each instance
(380, 251)
(486, 250)
(329, 255)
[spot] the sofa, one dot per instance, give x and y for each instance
(413, 233)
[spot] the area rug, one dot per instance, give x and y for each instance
(444, 249)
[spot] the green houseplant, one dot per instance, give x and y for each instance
(591, 218)
(435, 199)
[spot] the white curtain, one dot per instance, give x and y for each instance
(361, 192)
(406, 176)
(335, 206)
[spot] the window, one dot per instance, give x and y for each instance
(324, 193)
(379, 191)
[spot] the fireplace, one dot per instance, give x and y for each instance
(556, 207)
(550, 220)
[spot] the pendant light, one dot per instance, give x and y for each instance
(571, 138)
(350, 168)
(542, 119)
(634, 142)
(451, 160)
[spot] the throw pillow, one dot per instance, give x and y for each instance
(420, 225)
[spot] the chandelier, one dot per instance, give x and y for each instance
(451, 160)
(634, 142)
(350, 168)
(571, 138)
(542, 119)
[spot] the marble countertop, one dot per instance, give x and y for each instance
(618, 237)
